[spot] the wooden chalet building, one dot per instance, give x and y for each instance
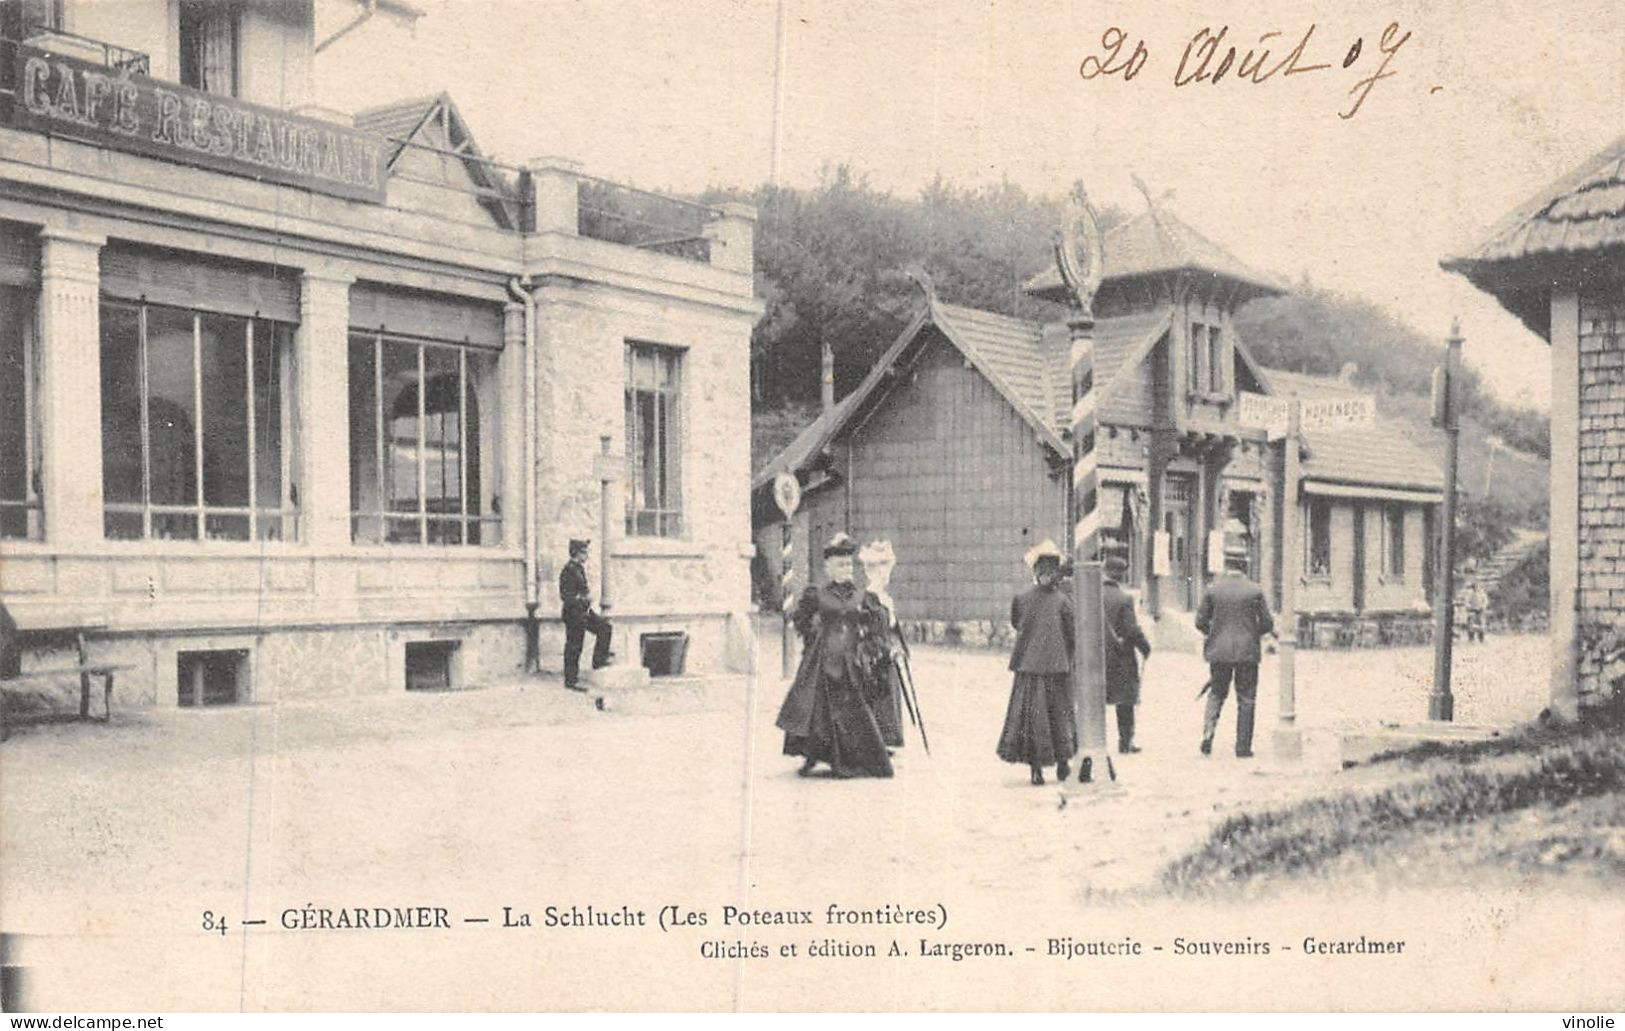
(954, 447)
(1558, 263)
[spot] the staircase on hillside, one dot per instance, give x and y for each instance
(1492, 570)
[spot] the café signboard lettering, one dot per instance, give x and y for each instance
(64, 96)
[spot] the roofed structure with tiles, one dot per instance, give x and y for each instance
(425, 138)
(1571, 231)
(1157, 243)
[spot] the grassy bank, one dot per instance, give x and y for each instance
(1541, 799)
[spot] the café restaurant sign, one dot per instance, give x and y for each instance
(64, 96)
(1320, 414)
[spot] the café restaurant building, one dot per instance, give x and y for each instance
(298, 403)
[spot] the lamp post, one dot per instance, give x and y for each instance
(1442, 702)
(605, 466)
(1288, 739)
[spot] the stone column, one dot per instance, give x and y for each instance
(732, 236)
(71, 385)
(1565, 502)
(555, 182)
(324, 408)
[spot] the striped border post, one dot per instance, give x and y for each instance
(1078, 254)
(787, 598)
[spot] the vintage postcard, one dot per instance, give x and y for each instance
(769, 505)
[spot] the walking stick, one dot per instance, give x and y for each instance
(912, 699)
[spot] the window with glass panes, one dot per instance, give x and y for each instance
(20, 509)
(1318, 539)
(654, 441)
(198, 440)
(423, 459)
(1393, 544)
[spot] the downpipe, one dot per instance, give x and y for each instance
(521, 291)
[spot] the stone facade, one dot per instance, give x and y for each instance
(320, 608)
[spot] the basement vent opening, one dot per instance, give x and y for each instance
(430, 665)
(211, 677)
(664, 653)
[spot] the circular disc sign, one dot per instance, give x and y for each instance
(786, 493)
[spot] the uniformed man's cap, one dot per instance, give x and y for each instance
(1045, 551)
(578, 544)
(840, 545)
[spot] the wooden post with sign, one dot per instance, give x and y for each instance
(787, 495)
(1078, 255)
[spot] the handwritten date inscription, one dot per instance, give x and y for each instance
(1209, 57)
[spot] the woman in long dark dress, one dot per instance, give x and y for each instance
(1040, 725)
(826, 716)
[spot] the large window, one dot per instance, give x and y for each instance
(1393, 542)
(20, 513)
(209, 46)
(654, 441)
(1318, 539)
(423, 461)
(197, 425)
(1196, 357)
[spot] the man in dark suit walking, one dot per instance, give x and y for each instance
(1233, 616)
(1123, 638)
(579, 618)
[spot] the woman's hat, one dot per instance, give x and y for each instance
(840, 544)
(877, 552)
(1042, 552)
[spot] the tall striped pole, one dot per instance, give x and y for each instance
(1078, 254)
(787, 599)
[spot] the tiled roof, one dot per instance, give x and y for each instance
(1379, 455)
(1583, 211)
(1159, 242)
(1029, 364)
(397, 120)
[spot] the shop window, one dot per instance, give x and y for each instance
(1393, 542)
(217, 677)
(209, 43)
(197, 430)
(1318, 539)
(423, 458)
(20, 508)
(654, 441)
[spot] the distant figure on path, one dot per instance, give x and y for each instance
(1477, 603)
(1233, 617)
(1040, 725)
(579, 618)
(826, 717)
(1123, 638)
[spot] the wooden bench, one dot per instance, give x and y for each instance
(15, 639)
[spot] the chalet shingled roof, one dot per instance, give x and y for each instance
(1158, 242)
(1566, 231)
(1382, 454)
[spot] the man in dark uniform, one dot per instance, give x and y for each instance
(1123, 638)
(1233, 615)
(579, 618)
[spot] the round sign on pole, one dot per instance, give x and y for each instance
(787, 493)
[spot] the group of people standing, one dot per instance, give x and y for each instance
(845, 707)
